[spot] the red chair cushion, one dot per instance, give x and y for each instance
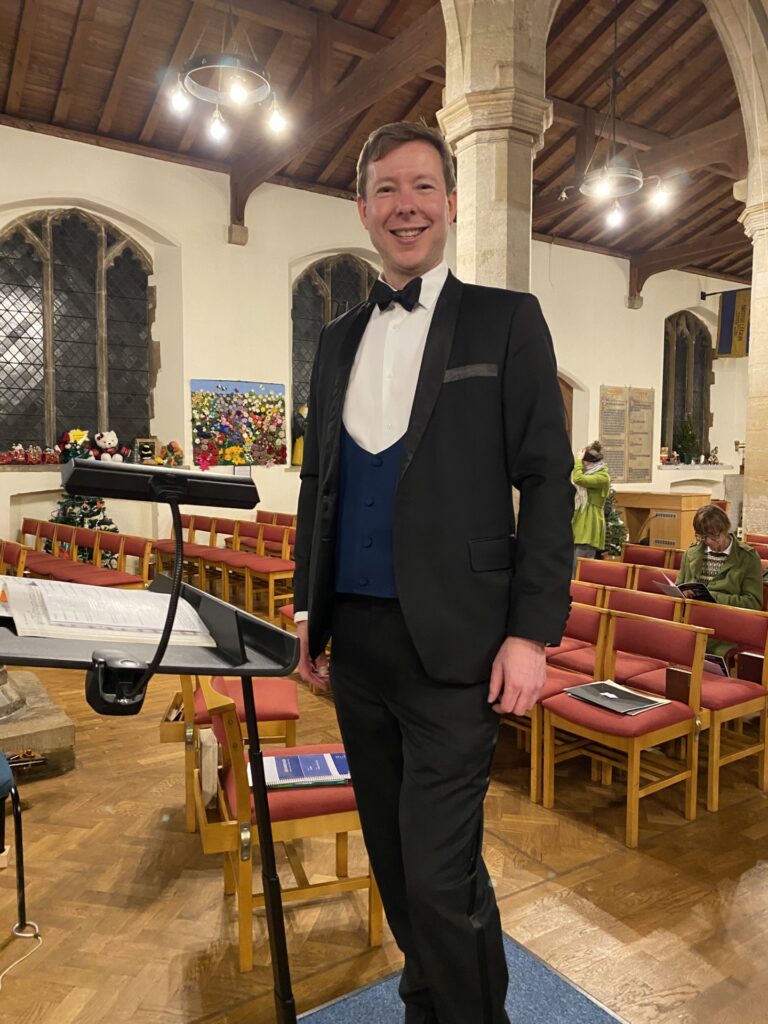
(629, 665)
(558, 679)
(275, 698)
(96, 577)
(265, 563)
(301, 801)
(717, 692)
(566, 645)
(287, 612)
(581, 660)
(591, 717)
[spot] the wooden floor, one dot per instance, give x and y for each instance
(136, 928)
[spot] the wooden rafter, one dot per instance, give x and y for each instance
(81, 35)
(21, 55)
(719, 143)
(585, 89)
(421, 46)
(570, 64)
(188, 36)
(127, 57)
(564, 20)
(655, 261)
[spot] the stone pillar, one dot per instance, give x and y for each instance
(495, 135)
(755, 516)
(494, 115)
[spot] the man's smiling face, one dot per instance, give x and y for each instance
(407, 210)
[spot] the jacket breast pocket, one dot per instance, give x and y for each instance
(490, 554)
(471, 370)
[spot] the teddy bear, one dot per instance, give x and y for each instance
(106, 446)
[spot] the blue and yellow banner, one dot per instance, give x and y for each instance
(733, 323)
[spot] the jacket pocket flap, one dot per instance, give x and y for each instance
(471, 370)
(494, 553)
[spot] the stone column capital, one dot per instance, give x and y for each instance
(755, 220)
(511, 110)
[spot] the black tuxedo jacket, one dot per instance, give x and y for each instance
(487, 415)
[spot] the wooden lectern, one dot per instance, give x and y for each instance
(665, 518)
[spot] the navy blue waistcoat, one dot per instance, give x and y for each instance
(367, 484)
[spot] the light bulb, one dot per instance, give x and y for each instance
(218, 126)
(615, 217)
(660, 197)
(237, 91)
(276, 120)
(179, 100)
(603, 188)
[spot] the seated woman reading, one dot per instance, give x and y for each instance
(732, 571)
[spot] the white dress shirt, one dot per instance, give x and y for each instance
(385, 372)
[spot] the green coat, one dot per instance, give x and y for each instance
(739, 584)
(589, 522)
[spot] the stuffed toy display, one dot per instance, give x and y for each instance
(171, 454)
(105, 447)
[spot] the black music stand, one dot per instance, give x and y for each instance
(247, 647)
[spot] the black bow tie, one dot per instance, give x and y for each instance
(384, 296)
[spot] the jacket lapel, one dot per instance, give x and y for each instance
(346, 357)
(436, 353)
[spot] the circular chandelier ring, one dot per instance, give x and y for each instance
(622, 181)
(250, 73)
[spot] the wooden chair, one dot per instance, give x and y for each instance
(296, 814)
(573, 728)
(277, 711)
(654, 606)
(646, 577)
(13, 558)
(761, 549)
(583, 645)
(198, 538)
(733, 699)
(607, 574)
(755, 538)
(675, 560)
(643, 554)
(587, 593)
(224, 534)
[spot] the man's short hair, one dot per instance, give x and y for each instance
(710, 520)
(391, 136)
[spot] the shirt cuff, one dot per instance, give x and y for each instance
(300, 616)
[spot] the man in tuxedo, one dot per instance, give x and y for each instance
(428, 404)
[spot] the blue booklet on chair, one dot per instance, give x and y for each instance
(305, 770)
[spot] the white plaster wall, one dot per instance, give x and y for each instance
(223, 311)
(599, 340)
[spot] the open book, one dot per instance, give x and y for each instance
(615, 697)
(74, 611)
(691, 591)
(285, 770)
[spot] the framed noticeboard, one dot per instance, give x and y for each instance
(626, 433)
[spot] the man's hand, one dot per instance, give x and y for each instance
(316, 672)
(517, 676)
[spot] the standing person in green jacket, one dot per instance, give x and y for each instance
(731, 570)
(593, 481)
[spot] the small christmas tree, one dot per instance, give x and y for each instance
(90, 513)
(615, 530)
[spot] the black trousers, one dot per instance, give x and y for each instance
(420, 754)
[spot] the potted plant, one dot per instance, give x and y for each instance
(686, 441)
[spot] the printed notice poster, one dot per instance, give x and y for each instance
(613, 431)
(626, 433)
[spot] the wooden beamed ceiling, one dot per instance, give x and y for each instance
(101, 71)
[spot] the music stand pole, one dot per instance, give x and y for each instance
(285, 1005)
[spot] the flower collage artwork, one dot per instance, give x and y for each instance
(238, 423)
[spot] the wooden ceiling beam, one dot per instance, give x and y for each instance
(21, 54)
(721, 142)
(86, 16)
(570, 65)
(566, 18)
(677, 257)
(624, 49)
(193, 25)
(130, 49)
(421, 46)
(677, 71)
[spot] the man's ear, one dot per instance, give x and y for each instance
(452, 201)
(362, 212)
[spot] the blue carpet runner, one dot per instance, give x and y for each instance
(537, 993)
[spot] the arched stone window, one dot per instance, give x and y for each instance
(75, 313)
(687, 377)
(324, 291)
